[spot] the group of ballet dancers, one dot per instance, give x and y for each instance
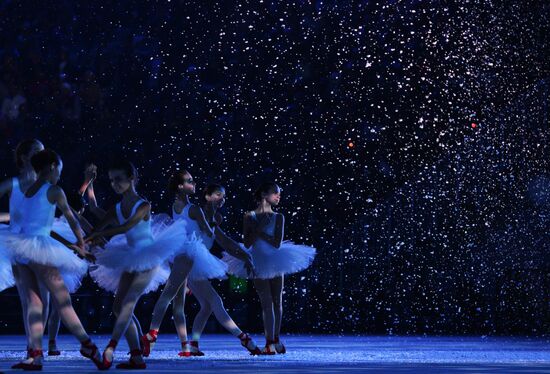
(131, 252)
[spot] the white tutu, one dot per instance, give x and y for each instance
(62, 227)
(118, 256)
(205, 264)
(270, 262)
(45, 250)
(6, 274)
(109, 279)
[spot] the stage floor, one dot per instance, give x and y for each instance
(313, 354)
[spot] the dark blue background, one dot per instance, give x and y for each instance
(410, 138)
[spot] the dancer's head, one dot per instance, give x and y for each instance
(123, 176)
(48, 165)
(25, 150)
(269, 192)
(215, 195)
(181, 182)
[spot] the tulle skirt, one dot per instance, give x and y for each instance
(6, 274)
(62, 227)
(152, 254)
(270, 262)
(45, 250)
(205, 264)
(109, 279)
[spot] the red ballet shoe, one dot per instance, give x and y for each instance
(52, 348)
(36, 364)
(269, 348)
(190, 349)
(131, 365)
(185, 350)
(279, 347)
(93, 353)
(148, 341)
(106, 364)
(249, 344)
(19, 364)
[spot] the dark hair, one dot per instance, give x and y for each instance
(126, 166)
(265, 188)
(211, 188)
(175, 180)
(44, 158)
(76, 201)
(23, 149)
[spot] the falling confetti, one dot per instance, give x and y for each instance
(410, 139)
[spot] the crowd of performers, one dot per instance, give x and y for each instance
(131, 252)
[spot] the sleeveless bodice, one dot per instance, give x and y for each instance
(269, 229)
(37, 213)
(192, 226)
(140, 233)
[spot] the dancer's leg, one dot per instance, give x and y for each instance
(61, 299)
(178, 276)
(277, 285)
(210, 302)
(263, 288)
(133, 284)
(178, 311)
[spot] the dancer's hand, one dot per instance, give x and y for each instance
(88, 256)
(90, 173)
(83, 253)
(95, 238)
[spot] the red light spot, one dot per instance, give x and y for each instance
(351, 145)
(474, 125)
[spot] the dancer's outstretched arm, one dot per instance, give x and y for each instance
(142, 212)
(90, 174)
(92, 201)
(229, 245)
(196, 213)
(57, 195)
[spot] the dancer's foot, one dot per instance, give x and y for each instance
(134, 363)
(108, 354)
(279, 347)
(52, 348)
(90, 350)
(190, 349)
(19, 364)
(34, 362)
(250, 344)
(148, 341)
(269, 348)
